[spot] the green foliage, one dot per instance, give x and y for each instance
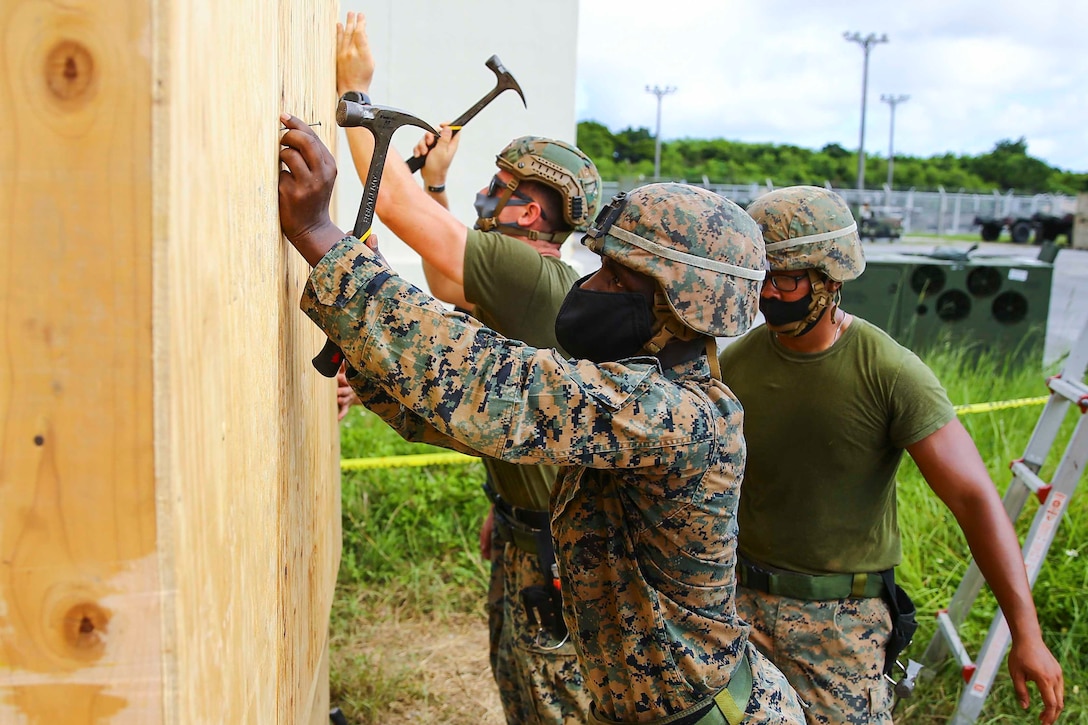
(411, 552)
(410, 531)
(629, 154)
(633, 145)
(596, 141)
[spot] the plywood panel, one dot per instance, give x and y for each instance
(253, 452)
(310, 480)
(169, 527)
(80, 595)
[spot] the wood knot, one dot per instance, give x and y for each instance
(69, 71)
(85, 628)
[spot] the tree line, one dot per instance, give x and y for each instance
(629, 154)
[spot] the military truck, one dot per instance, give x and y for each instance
(1043, 227)
(879, 223)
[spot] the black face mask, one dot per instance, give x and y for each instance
(603, 326)
(486, 206)
(780, 313)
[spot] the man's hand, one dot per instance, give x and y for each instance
(345, 396)
(440, 157)
(1033, 662)
(354, 60)
(485, 535)
(305, 189)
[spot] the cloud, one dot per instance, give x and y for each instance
(780, 71)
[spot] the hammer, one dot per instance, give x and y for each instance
(504, 81)
(355, 109)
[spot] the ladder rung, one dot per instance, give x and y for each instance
(948, 629)
(1072, 390)
(1029, 478)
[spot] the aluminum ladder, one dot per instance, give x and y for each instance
(1066, 388)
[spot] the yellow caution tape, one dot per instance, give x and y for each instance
(453, 458)
(416, 459)
(999, 405)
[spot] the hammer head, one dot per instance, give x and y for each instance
(505, 79)
(381, 121)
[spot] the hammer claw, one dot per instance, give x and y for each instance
(504, 81)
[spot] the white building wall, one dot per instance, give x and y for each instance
(430, 62)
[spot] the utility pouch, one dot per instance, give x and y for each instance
(904, 623)
(544, 609)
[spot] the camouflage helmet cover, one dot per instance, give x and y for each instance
(703, 250)
(560, 166)
(808, 227)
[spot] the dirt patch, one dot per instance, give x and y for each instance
(393, 671)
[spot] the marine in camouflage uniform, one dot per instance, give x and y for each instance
(643, 513)
(517, 290)
(506, 272)
(831, 403)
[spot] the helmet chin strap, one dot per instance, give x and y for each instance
(822, 299)
(492, 223)
(667, 327)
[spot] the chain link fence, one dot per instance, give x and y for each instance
(921, 212)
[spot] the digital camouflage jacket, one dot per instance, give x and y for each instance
(643, 514)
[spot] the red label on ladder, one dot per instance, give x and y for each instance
(987, 667)
(1045, 534)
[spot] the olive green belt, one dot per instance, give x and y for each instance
(725, 708)
(811, 587)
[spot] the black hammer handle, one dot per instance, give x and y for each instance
(354, 110)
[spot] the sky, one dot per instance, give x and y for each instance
(779, 71)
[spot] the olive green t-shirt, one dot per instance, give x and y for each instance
(825, 433)
(517, 292)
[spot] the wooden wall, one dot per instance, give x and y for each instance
(169, 502)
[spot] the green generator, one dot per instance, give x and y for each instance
(996, 304)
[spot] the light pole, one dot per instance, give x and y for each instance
(866, 42)
(660, 93)
(892, 102)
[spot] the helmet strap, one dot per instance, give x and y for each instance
(514, 230)
(712, 358)
(492, 222)
(667, 326)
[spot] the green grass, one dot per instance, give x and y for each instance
(410, 552)
(410, 532)
(964, 237)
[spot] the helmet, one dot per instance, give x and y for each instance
(704, 252)
(562, 167)
(807, 227)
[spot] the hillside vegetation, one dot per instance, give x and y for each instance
(629, 154)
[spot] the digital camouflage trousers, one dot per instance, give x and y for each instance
(537, 685)
(832, 652)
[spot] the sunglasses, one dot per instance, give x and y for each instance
(518, 198)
